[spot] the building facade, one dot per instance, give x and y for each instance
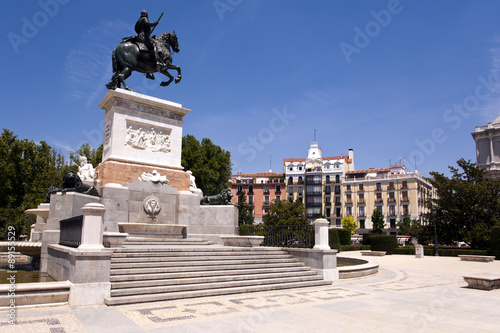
(394, 191)
(260, 190)
(487, 140)
(317, 182)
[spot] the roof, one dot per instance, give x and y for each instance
(346, 158)
(367, 171)
(258, 174)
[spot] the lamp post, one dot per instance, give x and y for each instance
(434, 213)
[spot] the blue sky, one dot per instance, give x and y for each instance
(389, 79)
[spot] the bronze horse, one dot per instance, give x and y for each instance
(127, 57)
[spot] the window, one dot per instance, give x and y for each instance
(250, 199)
(348, 211)
(291, 168)
(337, 222)
(404, 195)
(278, 188)
(328, 212)
(337, 179)
(266, 200)
(290, 181)
(240, 188)
(327, 199)
(337, 189)
(250, 189)
(392, 210)
(391, 186)
(380, 209)
(391, 197)
(337, 211)
(266, 188)
(362, 224)
(361, 198)
(361, 187)
(393, 223)
(405, 184)
(327, 189)
(278, 197)
(348, 188)
(348, 198)
(337, 199)
(361, 211)
(300, 190)
(379, 197)
(378, 187)
(405, 210)
(290, 190)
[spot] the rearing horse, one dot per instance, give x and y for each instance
(127, 57)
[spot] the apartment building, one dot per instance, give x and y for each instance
(487, 140)
(260, 189)
(394, 191)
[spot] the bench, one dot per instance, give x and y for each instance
(487, 281)
(471, 257)
(373, 253)
(246, 241)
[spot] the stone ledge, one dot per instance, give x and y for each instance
(245, 241)
(471, 257)
(487, 281)
(361, 269)
(373, 253)
(150, 230)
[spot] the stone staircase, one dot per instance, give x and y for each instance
(145, 272)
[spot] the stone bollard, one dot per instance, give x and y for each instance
(419, 251)
(321, 235)
(92, 227)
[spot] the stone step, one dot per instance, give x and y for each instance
(118, 300)
(214, 285)
(167, 242)
(165, 264)
(207, 273)
(161, 253)
(206, 249)
(167, 258)
(208, 267)
(210, 279)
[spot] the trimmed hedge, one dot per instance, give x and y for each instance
(344, 236)
(353, 247)
(495, 242)
(443, 251)
(366, 239)
(387, 243)
(333, 239)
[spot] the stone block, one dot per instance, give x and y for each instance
(82, 294)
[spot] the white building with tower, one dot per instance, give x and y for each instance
(487, 140)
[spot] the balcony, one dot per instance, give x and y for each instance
(361, 215)
(328, 204)
(378, 200)
(338, 203)
(391, 200)
(361, 201)
(266, 203)
(405, 199)
(348, 202)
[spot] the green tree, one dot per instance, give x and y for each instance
(467, 205)
(378, 223)
(245, 216)
(210, 164)
(93, 155)
(349, 223)
(411, 227)
(27, 169)
(284, 212)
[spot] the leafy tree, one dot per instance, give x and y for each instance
(411, 227)
(210, 164)
(349, 223)
(284, 212)
(94, 156)
(245, 216)
(27, 169)
(378, 223)
(467, 205)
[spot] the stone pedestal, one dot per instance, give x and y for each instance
(321, 235)
(141, 133)
(92, 227)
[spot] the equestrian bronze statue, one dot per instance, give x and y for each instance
(144, 53)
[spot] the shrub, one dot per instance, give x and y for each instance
(333, 239)
(366, 239)
(495, 242)
(354, 247)
(344, 236)
(387, 243)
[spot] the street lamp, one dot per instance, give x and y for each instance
(434, 213)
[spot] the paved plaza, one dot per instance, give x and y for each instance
(407, 295)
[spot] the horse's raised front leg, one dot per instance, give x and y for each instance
(178, 69)
(167, 74)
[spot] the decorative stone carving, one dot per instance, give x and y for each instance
(85, 170)
(153, 177)
(192, 183)
(140, 138)
(152, 206)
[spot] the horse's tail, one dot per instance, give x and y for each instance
(115, 82)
